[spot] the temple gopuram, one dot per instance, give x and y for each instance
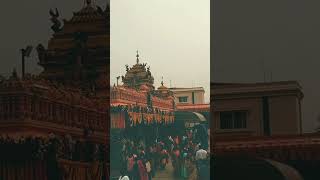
(55, 125)
(137, 105)
(139, 112)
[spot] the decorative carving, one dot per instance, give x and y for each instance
(41, 52)
(138, 77)
(68, 146)
(122, 78)
(107, 10)
(148, 71)
(118, 77)
(100, 11)
(80, 39)
(56, 27)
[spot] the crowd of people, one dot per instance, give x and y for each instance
(41, 147)
(188, 152)
(141, 161)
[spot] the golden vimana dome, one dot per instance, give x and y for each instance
(138, 76)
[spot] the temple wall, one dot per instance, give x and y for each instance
(23, 107)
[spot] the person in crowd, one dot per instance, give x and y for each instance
(164, 158)
(149, 168)
(176, 160)
(130, 164)
(186, 153)
(123, 176)
(204, 169)
(201, 154)
(184, 173)
(202, 162)
(152, 155)
(135, 169)
(142, 169)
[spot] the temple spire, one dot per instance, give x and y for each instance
(88, 2)
(137, 57)
(162, 80)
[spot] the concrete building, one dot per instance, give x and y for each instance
(193, 95)
(190, 106)
(256, 109)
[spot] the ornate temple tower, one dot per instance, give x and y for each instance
(78, 54)
(138, 77)
(56, 124)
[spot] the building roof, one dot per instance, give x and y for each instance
(177, 89)
(193, 107)
(225, 144)
(248, 89)
(225, 84)
(187, 116)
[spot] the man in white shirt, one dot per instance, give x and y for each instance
(202, 166)
(201, 154)
(124, 178)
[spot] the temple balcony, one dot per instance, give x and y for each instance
(29, 108)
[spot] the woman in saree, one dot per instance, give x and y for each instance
(142, 169)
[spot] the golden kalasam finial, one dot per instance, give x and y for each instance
(137, 57)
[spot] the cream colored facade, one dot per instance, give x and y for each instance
(188, 95)
(256, 109)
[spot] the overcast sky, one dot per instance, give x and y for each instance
(172, 36)
(285, 35)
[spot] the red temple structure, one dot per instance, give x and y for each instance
(137, 102)
(54, 125)
(139, 112)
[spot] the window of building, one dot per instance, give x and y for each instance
(233, 120)
(183, 99)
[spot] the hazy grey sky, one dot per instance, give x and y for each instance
(283, 34)
(172, 36)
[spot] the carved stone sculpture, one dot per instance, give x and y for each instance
(41, 52)
(56, 27)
